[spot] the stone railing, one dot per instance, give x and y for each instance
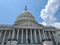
(3, 25)
(31, 27)
(6, 27)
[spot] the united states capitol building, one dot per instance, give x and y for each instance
(26, 31)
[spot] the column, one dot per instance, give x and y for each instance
(35, 36)
(54, 37)
(9, 34)
(4, 37)
(43, 34)
(46, 35)
(53, 33)
(0, 33)
(13, 34)
(31, 36)
(17, 34)
(26, 36)
(40, 36)
(22, 36)
(8, 41)
(49, 35)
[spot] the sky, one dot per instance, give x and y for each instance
(46, 12)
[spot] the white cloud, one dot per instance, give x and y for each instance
(47, 14)
(57, 24)
(43, 23)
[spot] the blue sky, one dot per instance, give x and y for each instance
(10, 9)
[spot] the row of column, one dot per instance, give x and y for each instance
(47, 34)
(35, 35)
(31, 35)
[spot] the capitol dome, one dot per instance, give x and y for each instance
(24, 17)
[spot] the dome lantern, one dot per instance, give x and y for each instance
(25, 8)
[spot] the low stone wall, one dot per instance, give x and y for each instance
(29, 44)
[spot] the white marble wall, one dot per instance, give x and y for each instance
(47, 43)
